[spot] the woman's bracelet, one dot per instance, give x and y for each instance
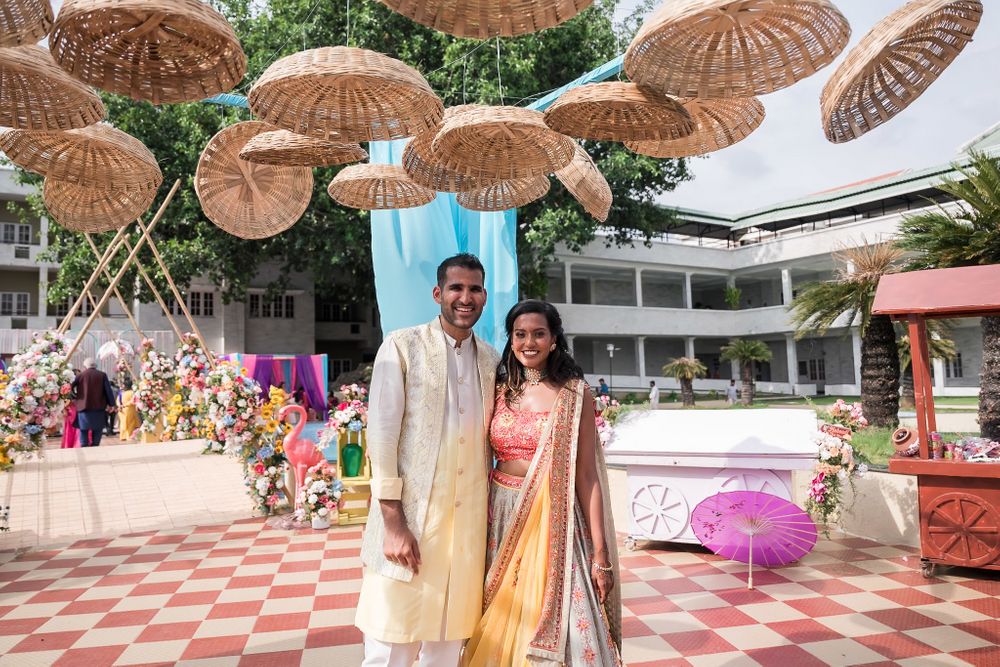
(609, 568)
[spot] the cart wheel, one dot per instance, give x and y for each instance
(927, 568)
(630, 544)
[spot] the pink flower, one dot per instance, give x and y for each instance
(259, 469)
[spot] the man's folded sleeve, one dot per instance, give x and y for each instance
(386, 399)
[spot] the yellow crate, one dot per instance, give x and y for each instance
(359, 495)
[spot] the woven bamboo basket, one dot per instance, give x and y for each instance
(83, 209)
(719, 123)
(734, 48)
(375, 187)
(36, 95)
(246, 199)
(617, 111)
(587, 184)
(287, 149)
(500, 143)
(98, 156)
(423, 166)
(504, 195)
(161, 51)
(894, 64)
(481, 19)
(24, 21)
(345, 94)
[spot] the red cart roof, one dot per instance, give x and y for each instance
(967, 291)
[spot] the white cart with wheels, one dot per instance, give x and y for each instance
(676, 458)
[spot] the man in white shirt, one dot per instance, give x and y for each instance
(654, 396)
(731, 393)
(424, 547)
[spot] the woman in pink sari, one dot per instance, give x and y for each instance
(70, 433)
(551, 596)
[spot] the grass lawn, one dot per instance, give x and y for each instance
(876, 444)
(960, 402)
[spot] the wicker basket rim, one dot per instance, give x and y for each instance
(330, 67)
(101, 133)
(186, 9)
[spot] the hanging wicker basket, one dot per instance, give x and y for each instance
(616, 111)
(504, 195)
(734, 48)
(287, 149)
(24, 22)
(246, 199)
(83, 209)
(894, 64)
(161, 51)
(97, 156)
(345, 94)
(424, 167)
(719, 124)
(374, 187)
(36, 95)
(500, 143)
(587, 184)
(482, 19)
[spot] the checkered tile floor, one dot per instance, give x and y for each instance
(243, 594)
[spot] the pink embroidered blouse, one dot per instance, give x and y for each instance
(514, 434)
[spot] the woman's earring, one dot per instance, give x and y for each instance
(553, 348)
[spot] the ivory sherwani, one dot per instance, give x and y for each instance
(431, 402)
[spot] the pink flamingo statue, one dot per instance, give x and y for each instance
(302, 453)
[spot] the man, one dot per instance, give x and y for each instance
(424, 547)
(602, 388)
(731, 393)
(654, 395)
(94, 400)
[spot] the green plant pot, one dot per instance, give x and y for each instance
(353, 455)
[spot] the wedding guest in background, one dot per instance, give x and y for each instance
(95, 399)
(654, 396)
(128, 416)
(71, 434)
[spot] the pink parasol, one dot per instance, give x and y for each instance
(753, 527)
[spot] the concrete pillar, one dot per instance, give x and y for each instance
(850, 266)
(568, 277)
(730, 280)
(569, 341)
(938, 373)
(688, 303)
(689, 347)
(792, 354)
(856, 346)
(638, 288)
(43, 291)
(43, 232)
(734, 369)
(786, 287)
(641, 357)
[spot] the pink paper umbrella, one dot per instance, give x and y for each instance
(754, 527)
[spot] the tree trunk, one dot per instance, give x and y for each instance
(687, 393)
(989, 380)
(880, 373)
(908, 397)
(747, 377)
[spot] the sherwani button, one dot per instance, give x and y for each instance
(461, 380)
(458, 503)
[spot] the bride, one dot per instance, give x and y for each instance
(550, 596)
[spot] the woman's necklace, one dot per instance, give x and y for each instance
(534, 376)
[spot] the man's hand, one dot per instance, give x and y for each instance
(399, 547)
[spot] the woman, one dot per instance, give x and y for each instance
(128, 416)
(551, 596)
(71, 434)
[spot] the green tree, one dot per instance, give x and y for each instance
(966, 236)
(939, 346)
(746, 352)
(846, 298)
(685, 370)
(334, 243)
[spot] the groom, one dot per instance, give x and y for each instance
(424, 548)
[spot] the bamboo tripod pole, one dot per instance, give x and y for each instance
(173, 288)
(156, 293)
(123, 269)
(118, 294)
(110, 252)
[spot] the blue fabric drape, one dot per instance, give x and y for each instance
(408, 244)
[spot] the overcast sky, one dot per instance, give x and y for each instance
(788, 156)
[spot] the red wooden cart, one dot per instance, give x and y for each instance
(959, 501)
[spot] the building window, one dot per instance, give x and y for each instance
(208, 304)
(339, 366)
(280, 307)
(13, 232)
(817, 370)
(85, 309)
(332, 311)
(953, 367)
(255, 305)
(14, 303)
(200, 304)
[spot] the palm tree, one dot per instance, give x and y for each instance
(847, 297)
(685, 369)
(939, 346)
(966, 237)
(746, 351)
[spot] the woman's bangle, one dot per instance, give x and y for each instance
(609, 568)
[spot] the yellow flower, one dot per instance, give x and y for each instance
(278, 449)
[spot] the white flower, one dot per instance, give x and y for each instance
(272, 470)
(842, 474)
(322, 511)
(861, 470)
(313, 498)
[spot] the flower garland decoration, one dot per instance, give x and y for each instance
(156, 375)
(264, 461)
(191, 362)
(182, 421)
(35, 395)
(354, 392)
(321, 492)
(837, 461)
(191, 365)
(348, 416)
(608, 410)
(232, 401)
(5, 461)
